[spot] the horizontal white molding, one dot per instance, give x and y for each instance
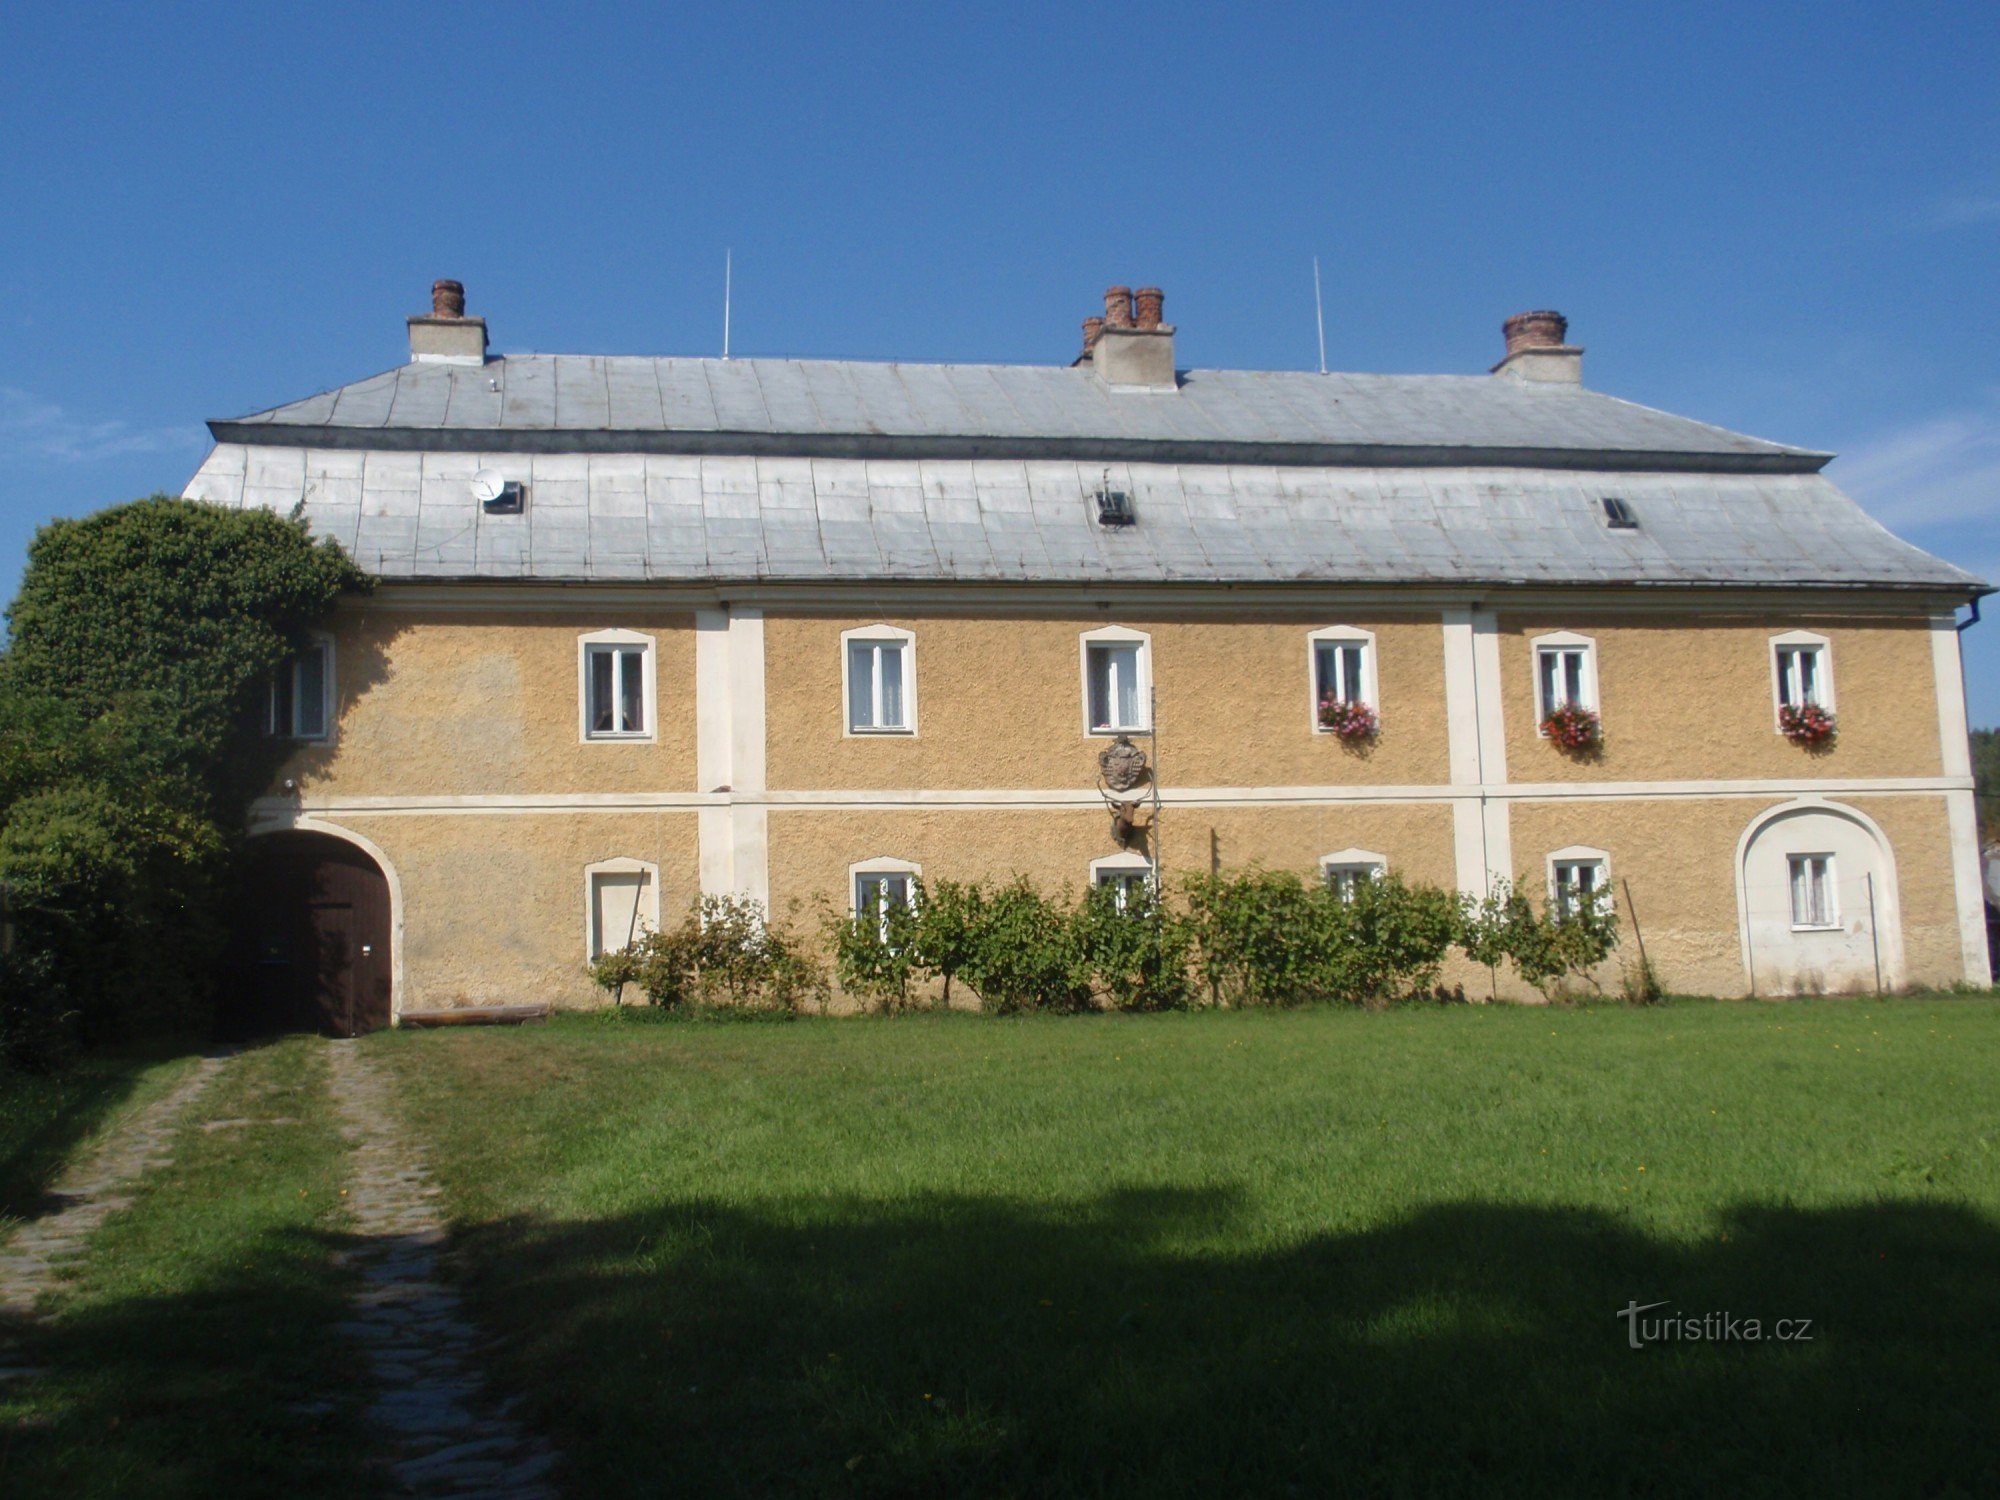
(270, 809)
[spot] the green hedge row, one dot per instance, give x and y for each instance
(1258, 938)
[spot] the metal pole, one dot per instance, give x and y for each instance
(1319, 316)
(728, 258)
(1637, 936)
(1874, 939)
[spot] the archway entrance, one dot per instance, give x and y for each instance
(1817, 888)
(312, 950)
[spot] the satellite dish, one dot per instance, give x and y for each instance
(488, 485)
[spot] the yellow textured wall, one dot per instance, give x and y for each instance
(1678, 857)
(450, 704)
(1920, 836)
(494, 905)
(999, 704)
(1684, 698)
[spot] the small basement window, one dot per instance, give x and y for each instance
(1578, 879)
(1128, 877)
(1618, 514)
(878, 893)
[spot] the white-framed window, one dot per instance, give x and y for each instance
(1565, 672)
(615, 685)
(878, 667)
(1579, 875)
(301, 695)
(1343, 668)
(1129, 877)
(621, 901)
(1801, 670)
(1117, 681)
(1815, 899)
(1344, 872)
(878, 887)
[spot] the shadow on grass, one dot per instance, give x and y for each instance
(44, 1116)
(237, 1388)
(972, 1346)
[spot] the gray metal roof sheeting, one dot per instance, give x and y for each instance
(832, 408)
(636, 516)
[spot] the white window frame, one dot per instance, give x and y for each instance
(328, 697)
(1794, 640)
(1832, 922)
(908, 641)
(880, 866)
(648, 673)
(648, 908)
(1339, 635)
(1563, 640)
(1352, 862)
(1581, 854)
(1118, 635)
(1115, 869)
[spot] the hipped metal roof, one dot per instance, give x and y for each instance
(825, 471)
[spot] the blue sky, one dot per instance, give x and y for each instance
(1783, 218)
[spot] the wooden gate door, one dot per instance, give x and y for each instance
(317, 947)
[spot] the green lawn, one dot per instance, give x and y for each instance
(44, 1119)
(1237, 1254)
(194, 1352)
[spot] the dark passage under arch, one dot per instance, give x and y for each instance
(312, 939)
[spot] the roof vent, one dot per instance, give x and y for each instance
(1618, 515)
(1114, 507)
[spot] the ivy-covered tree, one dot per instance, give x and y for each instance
(131, 741)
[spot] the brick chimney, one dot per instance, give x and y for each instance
(1133, 350)
(447, 336)
(1537, 349)
(1093, 329)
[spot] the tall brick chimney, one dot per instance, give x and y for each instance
(1132, 349)
(447, 336)
(1537, 349)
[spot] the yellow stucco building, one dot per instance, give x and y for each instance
(649, 628)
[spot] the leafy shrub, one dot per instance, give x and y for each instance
(1137, 956)
(1022, 953)
(1265, 937)
(1386, 941)
(1548, 948)
(878, 954)
(38, 1019)
(1251, 935)
(724, 952)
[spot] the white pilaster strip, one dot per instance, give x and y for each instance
(1468, 829)
(714, 718)
(1960, 813)
(749, 825)
(1475, 736)
(1497, 812)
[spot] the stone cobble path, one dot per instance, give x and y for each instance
(449, 1439)
(91, 1191)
